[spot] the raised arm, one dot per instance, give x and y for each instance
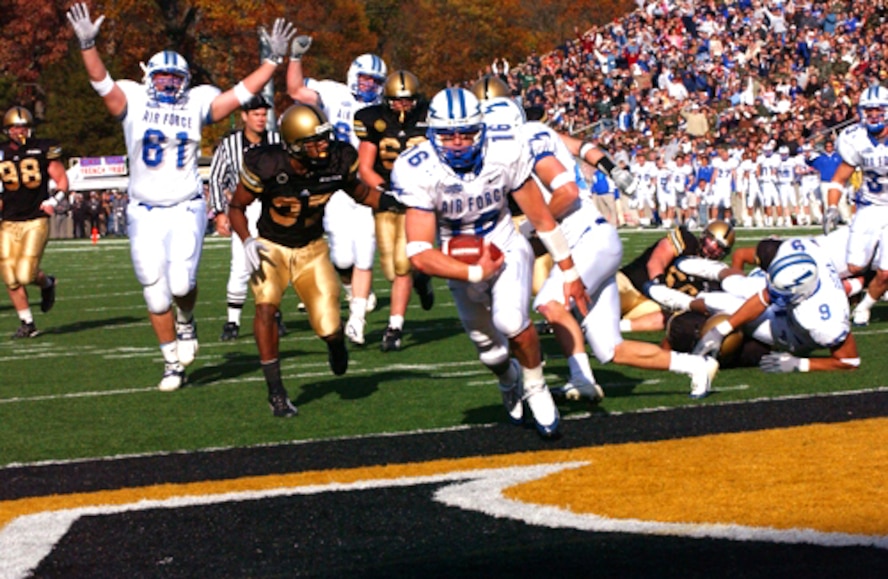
(86, 31)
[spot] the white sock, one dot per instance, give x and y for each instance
(866, 302)
(358, 307)
(580, 368)
(170, 354)
(625, 326)
(533, 377)
(26, 316)
(683, 363)
(234, 315)
(396, 322)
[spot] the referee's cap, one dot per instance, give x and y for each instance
(257, 102)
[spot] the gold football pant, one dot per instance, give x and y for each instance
(21, 248)
(633, 303)
(391, 242)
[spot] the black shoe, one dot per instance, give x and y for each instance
(282, 329)
(47, 296)
(391, 340)
(337, 356)
(281, 407)
(229, 332)
(26, 331)
(422, 283)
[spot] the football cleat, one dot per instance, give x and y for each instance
(579, 390)
(173, 377)
(513, 397)
(337, 356)
(280, 404)
(391, 340)
(279, 319)
(26, 331)
(229, 332)
(860, 316)
(702, 377)
(422, 283)
(354, 330)
(545, 413)
(48, 295)
(186, 341)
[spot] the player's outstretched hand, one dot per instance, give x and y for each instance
(85, 29)
(279, 39)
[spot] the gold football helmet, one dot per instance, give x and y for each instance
(401, 84)
(18, 117)
(303, 124)
(490, 86)
(722, 234)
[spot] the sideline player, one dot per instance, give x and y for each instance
(162, 118)
(294, 183)
(224, 176)
(386, 130)
(26, 167)
(350, 226)
(457, 183)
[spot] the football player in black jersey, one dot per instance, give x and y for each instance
(385, 131)
(26, 167)
(294, 180)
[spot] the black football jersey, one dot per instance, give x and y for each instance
(689, 284)
(683, 243)
(24, 171)
(293, 204)
(380, 125)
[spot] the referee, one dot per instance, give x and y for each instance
(224, 177)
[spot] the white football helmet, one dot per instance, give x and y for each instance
(872, 108)
(167, 91)
(367, 65)
(457, 111)
(792, 275)
(503, 111)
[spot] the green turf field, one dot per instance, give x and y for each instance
(87, 386)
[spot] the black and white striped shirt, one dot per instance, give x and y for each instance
(226, 166)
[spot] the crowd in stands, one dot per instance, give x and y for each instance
(677, 76)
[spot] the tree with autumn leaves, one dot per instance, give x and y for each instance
(440, 41)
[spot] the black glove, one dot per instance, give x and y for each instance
(388, 202)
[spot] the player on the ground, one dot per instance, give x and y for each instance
(27, 165)
(162, 118)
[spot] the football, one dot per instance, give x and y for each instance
(468, 248)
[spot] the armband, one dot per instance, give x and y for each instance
(556, 244)
(605, 164)
(104, 86)
(242, 93)
(724, 328)
(850, 362)
(417, 247)
(585, 148)
(559, 180)
(804, 364)
(476, 274)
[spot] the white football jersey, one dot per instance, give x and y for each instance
(340, 106)
(768, 167)
(680, 177)
(163, 143)
(467, 204)
(724, 171)
(746, 172)
(786, 171)
(859, 150)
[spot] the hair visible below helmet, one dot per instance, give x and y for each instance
(723, 234)
(489, 87)
(793, 276)
(765, 252)
(301, 124)
(456, 110)
(171, 62)
(874, 97)
(503, 111)
(18, 117)
(368, 65)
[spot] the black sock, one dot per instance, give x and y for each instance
(272, 371)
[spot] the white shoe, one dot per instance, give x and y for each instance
(545, 413)
(173, 377)
(513, 397)
(186, 342)
(702, 377)
(371, 302)
(354, 329)
(860, 316)
(577, 390)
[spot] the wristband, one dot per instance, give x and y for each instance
(103, 87)
(476, 274)
(804, 364)
(570, 275)
(556, 244)
(724, 328)
(242, 93)
(559, 180)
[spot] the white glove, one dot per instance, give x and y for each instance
(710, 343)
(779, 362)
(85, 29)
(279, 40)
(831, 219)
(299, 47)
(252, 252)
(623, 180)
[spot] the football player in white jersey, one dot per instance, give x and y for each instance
(809, 187)
(598, 252)
(803, 307)
(724, 168)
(787, 179)
(162, 118)
(350, 226)
(680, 176)
(457, 184)
(863, 146)
(748, 185)
(767, 163)
(666, 196)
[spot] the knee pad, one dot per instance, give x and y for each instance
(158, 297)
(493, 355)
(511, 323)
(180, 283)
